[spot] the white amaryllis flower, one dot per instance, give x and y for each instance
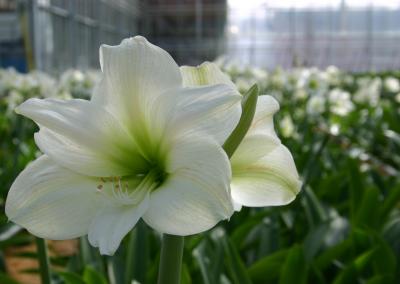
(340, 102)
(287, 126)
(392, 84)
(263, 170)
(316, 104)
(369, 90)
(143, 147)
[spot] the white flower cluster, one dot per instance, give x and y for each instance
(320, 88)
(369, 90)
(16, 87)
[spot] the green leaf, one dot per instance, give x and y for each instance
(267, 269)
(234, 263)
(356, 187)
(314, 209)
(200, 255)
(366, 214)
(362, 261)
(249, 104)
(91, 276)
(294, 270)
(5, 279)
(381, 279)
(186, 279)
(314, 240)
(390, 202)
(385, 259)
(331, 254)
(8, 230)
(347, 276)
(71, 278)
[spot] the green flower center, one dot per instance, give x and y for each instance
(128, 190)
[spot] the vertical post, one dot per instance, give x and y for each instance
(199, 28)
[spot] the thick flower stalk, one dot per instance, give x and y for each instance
(263, 170)
(145, 146)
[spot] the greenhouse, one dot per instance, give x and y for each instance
(199, 141)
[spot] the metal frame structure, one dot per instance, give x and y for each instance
(67, 32)
(355, 39)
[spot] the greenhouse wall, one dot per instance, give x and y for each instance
(351, 38)
(68, 33)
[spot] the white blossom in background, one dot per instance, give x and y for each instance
(13, 99)
(8, 77)
(259, 74)
(26, 83)
(334, 129)
(145, 146)
(397, 98)
(316, 104)
(243, 84)
(333, 75)
(300, 76)
(318, 80)
(391, 84)
(287, 126)
(300, 94)
(33, 84)
(47, 84)
(369, 90)
(277, 79)
(348, 79)
(75, 83)
(340, 102)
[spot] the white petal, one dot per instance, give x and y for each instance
(195, 196)
(212, 110)
(52, 202)
(112, 223)
(207, 73)
(136, 73)
(253, 148)
(263, 122)
(83, 137)
(272, 180)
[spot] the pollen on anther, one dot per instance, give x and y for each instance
(99, 187)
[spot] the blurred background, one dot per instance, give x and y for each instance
(334, 67)
(53, 35)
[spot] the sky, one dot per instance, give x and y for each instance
(251, 4)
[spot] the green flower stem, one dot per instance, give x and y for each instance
(171, 260)
(44, 265)
(137, 257)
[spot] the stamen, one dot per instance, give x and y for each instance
(120, 190)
